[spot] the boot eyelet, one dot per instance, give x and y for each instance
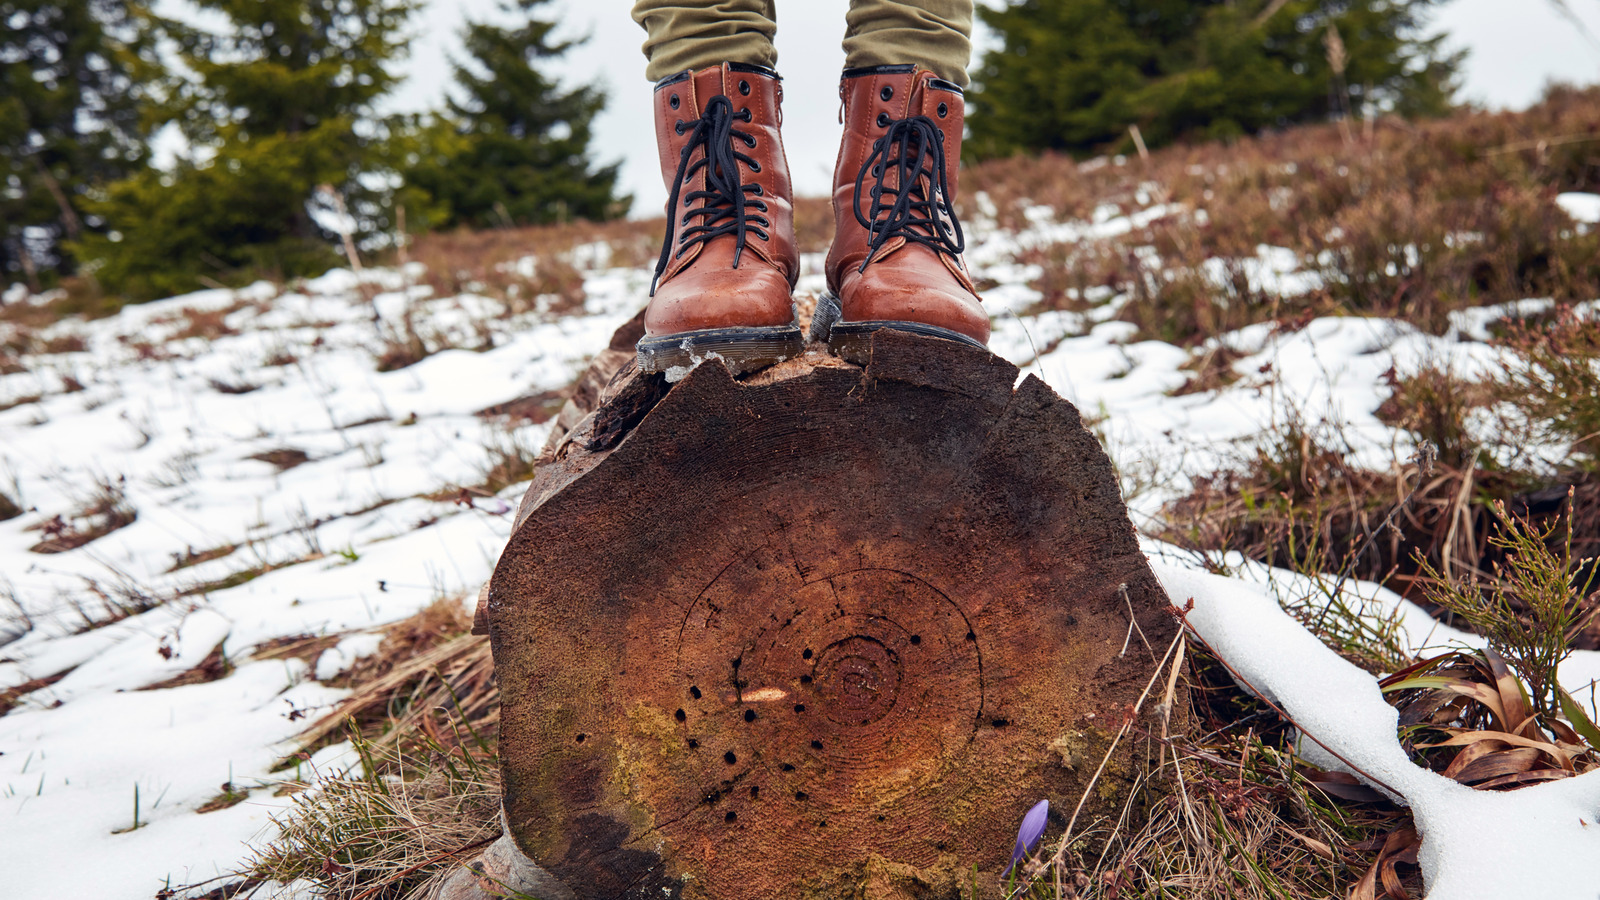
(674, 102)
(750, 142)
(678, 127)
(744, 88)
(886, 94)
(755, 166)
(883, 120)
(944, 110)
(877, 171)
(757, 192)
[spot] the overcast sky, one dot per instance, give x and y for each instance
(1517, 46)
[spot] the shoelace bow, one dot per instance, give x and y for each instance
(725, 209)
(913, 149)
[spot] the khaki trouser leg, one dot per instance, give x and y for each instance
(686, 34)
(935, 34)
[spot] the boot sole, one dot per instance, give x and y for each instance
(740, 349)
(852, 341)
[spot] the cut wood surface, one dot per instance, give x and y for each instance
(827, 631)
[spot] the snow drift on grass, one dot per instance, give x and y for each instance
(1537, 842)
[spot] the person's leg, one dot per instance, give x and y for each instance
(724, 283)
(896, 260)
(935, 34)
(684, 34)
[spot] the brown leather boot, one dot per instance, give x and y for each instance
(723, 286)
(896, 255)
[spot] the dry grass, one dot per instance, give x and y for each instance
(1419, 219)
(304, 647)
(422, 718)
(1295, 501)
(487, 262)
(1223, 810)
(391, 831)
(426, 662)
(116, 598)
(1467, 716)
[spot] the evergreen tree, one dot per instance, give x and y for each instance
(1073, 75)
(281, 105)
(74, 78)
(515, 148)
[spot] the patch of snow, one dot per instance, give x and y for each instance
(1472, 323)
(1273, 271)
(1583, 208)
(343, 655)
(1539, 841)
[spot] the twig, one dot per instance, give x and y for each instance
(1133, 624)
(1138, 143)
(1457, 510)
(1267, 13)
(1426, 454)
(1061, 848)
(1541, 143)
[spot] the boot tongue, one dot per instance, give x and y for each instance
(710, 82)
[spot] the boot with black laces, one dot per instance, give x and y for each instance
(724, 283)
(896, 257)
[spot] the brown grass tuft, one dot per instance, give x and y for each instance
(426, 662)
(106, 511)
(422, 718)
(282, 458)
(8, 508)
(304, 647)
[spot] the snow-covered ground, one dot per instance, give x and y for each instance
(367, 530)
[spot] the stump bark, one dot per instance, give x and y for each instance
(827, 631)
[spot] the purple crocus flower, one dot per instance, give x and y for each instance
(1032, 829)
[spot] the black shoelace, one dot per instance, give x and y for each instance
(725, 209)
(913, 149)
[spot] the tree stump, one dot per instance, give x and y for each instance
(828, 631)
